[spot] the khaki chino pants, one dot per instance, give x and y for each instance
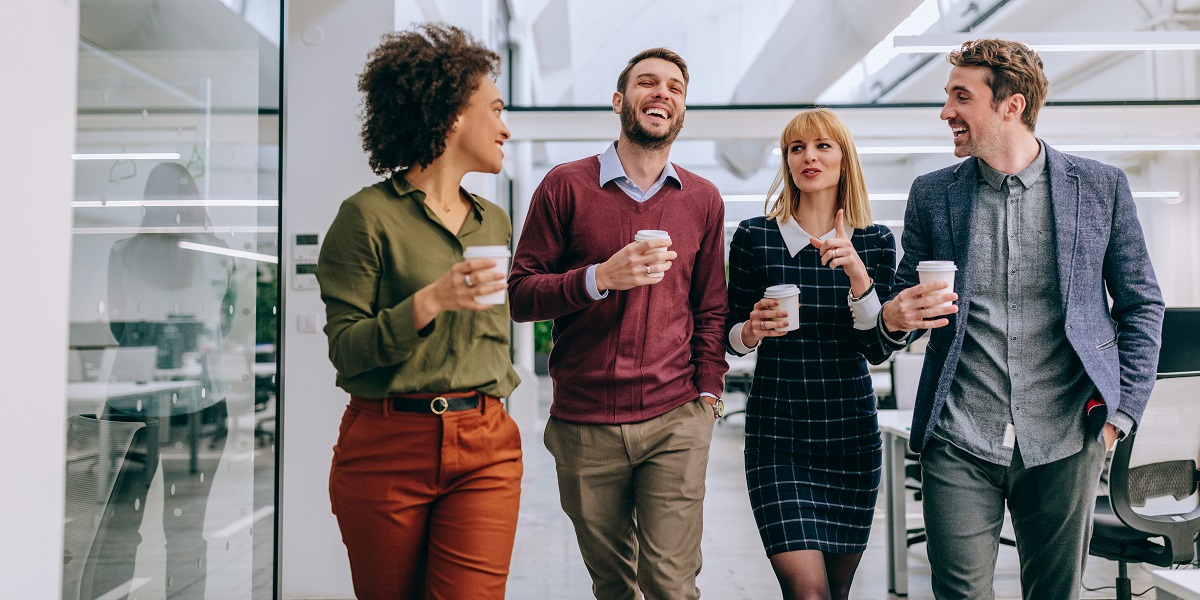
(635, 493)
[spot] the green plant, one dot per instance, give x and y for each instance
(266, 301)
(542, 337)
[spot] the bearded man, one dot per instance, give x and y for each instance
(639, 359)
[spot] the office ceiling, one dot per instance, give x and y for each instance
(795, 51)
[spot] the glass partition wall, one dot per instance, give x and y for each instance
(171, 381)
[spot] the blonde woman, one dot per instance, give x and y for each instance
(813, 452)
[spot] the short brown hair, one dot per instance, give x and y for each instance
(1015, 69)
(416, 83)
(663, 53)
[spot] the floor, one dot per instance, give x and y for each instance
(546, 563)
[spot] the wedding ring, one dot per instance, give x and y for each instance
(762, 325)
(648, 271)
(467, 280)
(837, 253)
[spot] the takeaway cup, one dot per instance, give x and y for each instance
(788, 296)
(499, 254)
(937, 270)
(653, 234)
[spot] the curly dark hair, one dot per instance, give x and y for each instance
(415, 84)
(1015, 69)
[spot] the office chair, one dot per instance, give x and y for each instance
(1152, 511)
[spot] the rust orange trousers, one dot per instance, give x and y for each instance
(427, 503)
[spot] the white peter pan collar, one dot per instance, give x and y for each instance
(796, 238)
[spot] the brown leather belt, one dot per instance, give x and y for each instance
(435, 404)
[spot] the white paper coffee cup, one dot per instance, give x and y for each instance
(499, 254)
(788, 296)
(653, 234)
(930, 271)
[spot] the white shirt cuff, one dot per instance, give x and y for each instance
(735, 339)
(866, 311)
(593, 290)
(708, 394)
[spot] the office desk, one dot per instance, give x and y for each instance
(1177, 584)
(894, 426)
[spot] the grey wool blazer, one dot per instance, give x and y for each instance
(1101, 252)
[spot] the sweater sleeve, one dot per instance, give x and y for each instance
(361, 336)
(710, 305)
(743, 290)
(538, 288)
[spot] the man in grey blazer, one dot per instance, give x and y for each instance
(1033, 375)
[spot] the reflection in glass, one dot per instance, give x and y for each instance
(170, 311)
(171, 362)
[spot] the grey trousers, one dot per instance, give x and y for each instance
(1051, 507)
(635, 493)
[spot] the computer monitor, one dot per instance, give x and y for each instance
(1180, 340)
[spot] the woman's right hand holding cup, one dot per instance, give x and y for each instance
(458, 289)
(766, 320)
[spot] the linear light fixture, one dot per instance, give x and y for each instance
(229, 252)
(1062, 41)
(170, 203)
(888, 222)
(1186, 147)
(235, 230)
(128, 156)
(1170, 197)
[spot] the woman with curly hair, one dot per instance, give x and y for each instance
(426, 472)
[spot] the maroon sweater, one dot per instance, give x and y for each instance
(639, 353)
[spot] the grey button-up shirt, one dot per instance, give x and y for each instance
(1017, 366)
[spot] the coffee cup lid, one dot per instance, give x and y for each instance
(650, 234)
(486, 251)
(936, 265)
(781, 291)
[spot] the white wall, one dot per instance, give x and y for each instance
(324, 163)
(40, 41)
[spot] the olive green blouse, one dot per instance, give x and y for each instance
(384, 245)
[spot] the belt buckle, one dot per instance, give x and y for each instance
(439, 405)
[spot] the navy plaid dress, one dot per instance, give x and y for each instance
(813, 452)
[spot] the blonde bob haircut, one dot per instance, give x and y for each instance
(852, 190)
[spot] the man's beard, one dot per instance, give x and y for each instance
(640, 136)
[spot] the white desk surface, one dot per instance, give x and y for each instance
(895, 422)
(1183, 583)
(100, 391)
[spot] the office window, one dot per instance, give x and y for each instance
(171, 381)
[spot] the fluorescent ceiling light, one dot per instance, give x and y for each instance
(128, 156)
(1064, 41)
(905, 149)
(237, 229)
(1165, 196)
(229, 252)
(892, 150)
(1190, 147)
(1128, 147)
(170, 203)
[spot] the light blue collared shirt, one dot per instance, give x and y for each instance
(611, 170)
